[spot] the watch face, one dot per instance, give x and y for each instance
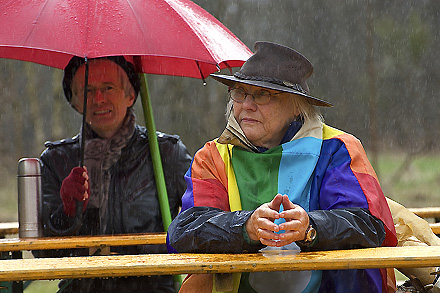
(311, 234)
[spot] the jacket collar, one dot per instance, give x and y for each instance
(233, 134)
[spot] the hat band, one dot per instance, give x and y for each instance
(277, 81)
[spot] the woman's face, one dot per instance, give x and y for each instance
(264, 125)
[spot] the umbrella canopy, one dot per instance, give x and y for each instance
(173, 37)
(169, 37)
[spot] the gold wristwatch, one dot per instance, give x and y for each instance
(310, 235)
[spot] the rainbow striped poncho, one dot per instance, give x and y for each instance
(320, 168)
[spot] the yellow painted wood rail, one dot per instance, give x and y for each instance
(159, 264)
(12, 228)
(8, 228)
(21, 244)
(435, 228)
(427, 212)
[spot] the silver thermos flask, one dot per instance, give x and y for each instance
(29, 198)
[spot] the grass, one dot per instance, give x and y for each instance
(412, 182)
(46, 286)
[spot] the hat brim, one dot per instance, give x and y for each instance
(230, 80)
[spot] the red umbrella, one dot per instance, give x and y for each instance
(171, 37)
(174, 37)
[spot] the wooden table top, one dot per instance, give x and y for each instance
(160, 264)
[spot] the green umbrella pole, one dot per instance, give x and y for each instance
(157, 163)
(155, 153)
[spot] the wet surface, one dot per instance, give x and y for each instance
(157, 264)
(17, 244)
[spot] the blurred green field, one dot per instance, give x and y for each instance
(412, 181)
(42, 287)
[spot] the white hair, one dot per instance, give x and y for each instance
(306, 109)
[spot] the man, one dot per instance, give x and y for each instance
(116, 186)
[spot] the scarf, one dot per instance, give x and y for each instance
(99, 156)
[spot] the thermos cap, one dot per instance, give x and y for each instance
(29, 167)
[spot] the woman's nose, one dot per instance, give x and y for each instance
(249, 102)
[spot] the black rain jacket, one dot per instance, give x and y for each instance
(133, 205)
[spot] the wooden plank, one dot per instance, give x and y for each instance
(160, 264)
(8, 228)
(20, 244)
(427, 212)
(435, 228)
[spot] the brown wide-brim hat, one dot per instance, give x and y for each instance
(275, 67)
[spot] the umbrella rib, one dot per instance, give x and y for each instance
(196, 32)
(138, 22)
(35, 21)
(187, 15)
(201, 74)
(227, 65)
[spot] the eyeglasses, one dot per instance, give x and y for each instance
(260, 97)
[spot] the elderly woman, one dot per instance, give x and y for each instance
(278, 177)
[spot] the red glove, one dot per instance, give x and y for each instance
(75, 188)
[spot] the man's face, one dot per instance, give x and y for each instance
(109, 95)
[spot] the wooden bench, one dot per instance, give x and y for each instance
(428, 212)
(11, 228)
(40, 243)
(8, 228)
(435, 228)
(22, 244)
(160, 264)
(68, 242)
